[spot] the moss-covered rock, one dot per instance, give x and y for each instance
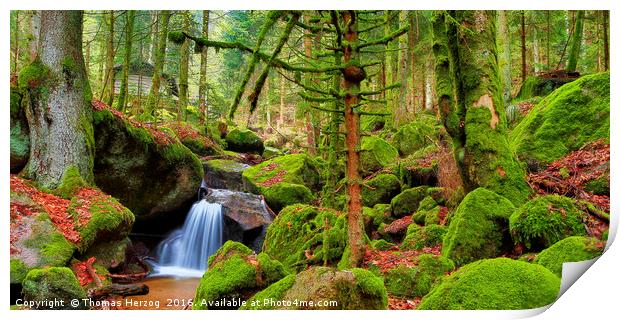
(148, 170)
(426, 206)
(381, 244)
(357, 289)
(285, 194)
(420, 167)
(224, 174)
(271, 152)
(372, 123)
(293, 168)
(52, 283)
(235, 272)
(194, 139)
(108, 254)
(423, 237)
(478, 228)
(303, 234)
(375, 216)
(564, 121)
(571, 249)
(408, 201)
(420, 133)
(244, 140)
(497, 284)
(380, 189)
(417, 281)
(432, 216)
(538, 86)
(545, 220)
(375, 154)
(20, 134)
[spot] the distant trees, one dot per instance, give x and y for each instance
(163, 19)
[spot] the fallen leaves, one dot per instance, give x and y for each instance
(389, 259)
(395, 303)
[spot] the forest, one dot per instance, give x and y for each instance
(343, 159)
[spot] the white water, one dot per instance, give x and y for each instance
(185, 252)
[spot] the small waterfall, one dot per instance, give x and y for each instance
(185, 251)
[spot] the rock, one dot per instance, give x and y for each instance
(271, 152)
(408, 201)
(381, 244)
(426, 207)
(478, 227)
(54, 284)
(20, 134)
(108, 254)
(421, 167)
(285, 194)
(292, 168)
(545, 220)
(244, 140)
(357, 289)
(297, 236)
(192, 138)
(149, 171)
(411, 282)
(245, 216)
(418, 237)
(535, 86)
(234, 273)
(571, 249)
(224, 174)
(375, 216)
(417, 135)
(494, 284)
(376, 154)
(567, 119)
(380, 189)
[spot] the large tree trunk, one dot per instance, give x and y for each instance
(523, 51)
(59, 102)
(392, 24)
(183, 72)
(34, 24)
(202, 82)
(606, 38)
(153, 101)
(154, 37)
(535, 50)
(109, 65)
(575, 49)
(282, 89)
(15, 44)
(307, 43)
(503, 46)
(124, 89)
(548, 15)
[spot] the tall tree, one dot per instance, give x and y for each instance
(606, 38)
(153, 100)
(523, 51)
(124, 89)
(183, 71)
(154, 37)
(575, 48)
(15, 43)
(109, 64)
(503, 48)
(202, 82)
(58, 102)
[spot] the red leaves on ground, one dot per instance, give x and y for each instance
(17, 227)
(81, 271)
(395, 303)
(569, 175)
(443, 213)
(186, 131)
(386, 260)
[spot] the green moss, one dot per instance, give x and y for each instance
(271, 152)
(599, 186)
(381, 244)
(545, 220)
(244, 140)
(272, 270)
(420, 133)
(298, 228)
(52, 247)
(375, 154)
(432, 216)
(284, 194)
(375, 216)
(53, 283)
(423, 237)
(293, 168)
(71, 182)
(498, 284)
(408, 201)
(380, 189)
(478, 227)
(371, 285)
(407, 282)
(227, 249)
(571, 249)
(18, 270)
(275, 291)
(176, 36)
(568, 118)
(435, 266)
(34, 78)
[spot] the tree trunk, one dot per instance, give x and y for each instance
(548, 39)
(606, 38)
(154, 37)
(535, 50)
(59, 102)
(307, 43)
(575, 49)
(503, 46)
(15, 42)
(523, 52)
(404, 74)
(392, 63)
(202, 82)
(109, 66)
(183, 72)
(282, 88)
(411, 54)
(87, 58)
(153, 101)
(124, 89)
(34, 30)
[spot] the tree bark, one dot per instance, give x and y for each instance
(59, 108)
(503, 46)
(548, 15)
(575, 49)
(606, 37)
(202, 82)
(109, 66)
(15, 42)
(124, 89)
(523, 51)
(307, 43)
(153, 100)
(535, 50)
(183, 72)
(392, 24)
(154, 37)
(282, 89)
(34, 30)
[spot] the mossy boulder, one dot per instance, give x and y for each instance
(380, 189)
(418, 237)
(195, 139)
(571, 249)
(52, 283)
(293, 168)
(494, 284)
(420, 167)
(355, 289)
(478, 228)
(271, 152)
(375, 216)
(408, 201)
(224, 174)
(536, 86)
(285, 194)
(108, 254)
(304, 235)
(235, 272)
(420, 133)
(375, 154)
(20, 134)
(148, 170)
(416, 281)
(571, 116)
(381, 244)
(244, 140)
(545, 220)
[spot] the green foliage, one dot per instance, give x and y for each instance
(294, 168)
(380, 189)
(375, 154)
(478, 227)
(498, 284)
(571, 249)
(599, 186)
(408, 201)
(423, 237)
(420, 133)
(284, 194)
(381, 244)
(244, 140)
(545, 220)
(18, 271)
(53, 283)
(275, 291)
(71, 182)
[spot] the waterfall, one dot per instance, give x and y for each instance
(185, 251)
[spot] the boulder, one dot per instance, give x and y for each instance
(545, 220)
(418, 237)
(293, 168)
(408, 201)
(417, 135)
(244, 140)
(355, 289)
(571, 249)
(285, 194)
(234, 273)
(54, 284)
(224, 174)
(194, 139)
(478, 227)
(304, 235)
(20, 134)
(147, 169)
(497, 284)
(421, 167)
(536, 86)
(416, 281)
(376, 154)
(271, 152)
(380, 189)
(567, 119)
